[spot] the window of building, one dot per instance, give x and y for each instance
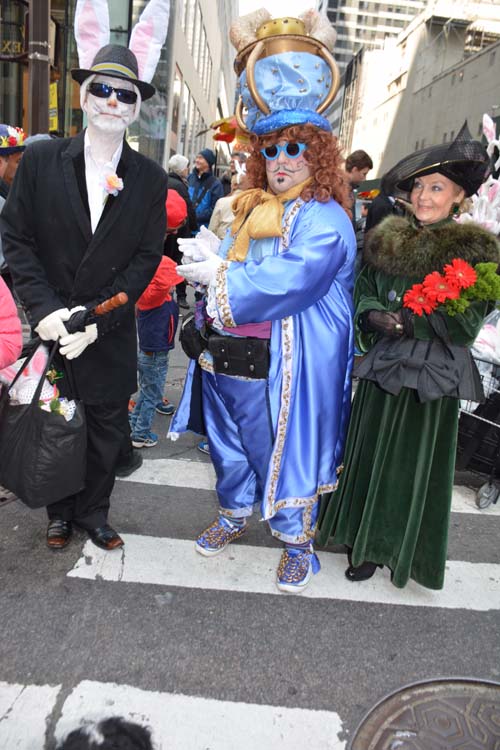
(445, 136)
(452, 135)
(190, 16)
(492, 57)
(183, 14)
(176, 112)
(198, 21)
(416, 145)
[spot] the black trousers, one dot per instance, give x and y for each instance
(107, 430)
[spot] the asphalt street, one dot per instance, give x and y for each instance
(153, 632)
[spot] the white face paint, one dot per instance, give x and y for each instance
(110, 115)
(283, 173)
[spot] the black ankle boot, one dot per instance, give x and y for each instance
(361, 572)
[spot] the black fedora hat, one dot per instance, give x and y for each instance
(118, 62)
(464, 161)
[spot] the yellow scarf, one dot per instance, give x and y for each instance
(264, 220)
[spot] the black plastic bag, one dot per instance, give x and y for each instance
(42, 456)
(192, 341)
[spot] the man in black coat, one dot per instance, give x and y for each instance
(85, 219)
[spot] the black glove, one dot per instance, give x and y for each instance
(387, 323)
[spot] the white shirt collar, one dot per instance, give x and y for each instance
(94, 177)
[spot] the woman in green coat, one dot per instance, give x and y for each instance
(392, 505)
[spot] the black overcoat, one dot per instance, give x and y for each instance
(56, 261)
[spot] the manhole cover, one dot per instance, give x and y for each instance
(458, 713)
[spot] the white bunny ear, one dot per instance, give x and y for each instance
(148, 37)
(91, 29)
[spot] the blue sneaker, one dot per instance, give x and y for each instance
(203, 447)
(165, 407)
(145, 442)
(296, 568)
(218, 535)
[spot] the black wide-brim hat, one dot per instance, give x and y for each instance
(464, 161)
(118, 62)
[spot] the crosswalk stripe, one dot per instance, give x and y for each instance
(244, 568)
(181, 722)
(177, 721)
(464, 501)
(23, 713)
(200, 475)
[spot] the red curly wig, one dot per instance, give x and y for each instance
(322, 153)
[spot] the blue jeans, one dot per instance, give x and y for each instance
(152, 374)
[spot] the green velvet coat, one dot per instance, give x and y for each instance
(393, 502)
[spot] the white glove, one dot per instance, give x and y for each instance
(204, 271)
(72, 345)
(51, 328)
(193, 247)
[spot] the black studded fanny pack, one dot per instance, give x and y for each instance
(246, 357)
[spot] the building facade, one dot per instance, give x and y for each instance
(418, 91)
(366, 24)
(194, 79)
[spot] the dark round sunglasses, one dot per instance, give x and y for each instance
(291, 150)
(103, 91)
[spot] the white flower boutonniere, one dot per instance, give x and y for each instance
(113, 184)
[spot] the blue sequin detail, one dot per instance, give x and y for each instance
(286, 117)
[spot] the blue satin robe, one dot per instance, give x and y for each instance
(303, 284)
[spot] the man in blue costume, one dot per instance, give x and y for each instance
(275, 376)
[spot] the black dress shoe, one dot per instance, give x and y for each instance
(105, 537)
(133, 462)
(361, 572)
(58, 533)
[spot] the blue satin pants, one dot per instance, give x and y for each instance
(240, 436)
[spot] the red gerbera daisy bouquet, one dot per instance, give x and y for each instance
(455, 288)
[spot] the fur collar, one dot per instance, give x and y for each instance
(399, 247)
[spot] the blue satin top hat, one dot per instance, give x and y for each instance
(292, 85)
(287, 73)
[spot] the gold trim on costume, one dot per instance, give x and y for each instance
(222, 295)
(206, 363)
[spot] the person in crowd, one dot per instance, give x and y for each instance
(11, 337)
(12, 146)
(360, 225)
(357, 166)
(382, 205)
(392, 506)
(85, 219)
(157, 318)
(236, 167)
(37, 137)
(11, 344)
(177, 180)
(275, 376)
(130, 459)
(223, 215)
(204, 187)
(115, 733)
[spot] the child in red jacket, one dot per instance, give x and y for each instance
(157, 318)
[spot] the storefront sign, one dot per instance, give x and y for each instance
(13, 32)
(53, 118)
